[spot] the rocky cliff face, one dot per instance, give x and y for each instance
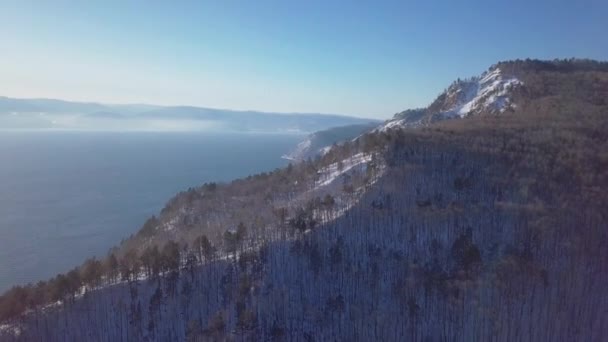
(489, 93)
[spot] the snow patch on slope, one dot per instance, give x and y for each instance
(490, 92)
(301, 150)
(408, 118)
(396, 124)
(13, 330)
(358, 171)
(333, 171)
(325, 150)
(399, 123)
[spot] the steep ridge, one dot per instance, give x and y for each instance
(320, 142)
(490, 93)
(489, 227)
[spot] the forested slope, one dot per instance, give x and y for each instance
(491, 227)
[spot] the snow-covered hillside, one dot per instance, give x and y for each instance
(301, 150)
(407, 118)
(490, 93)
(319, 143)
(332, 172)
(472, 230)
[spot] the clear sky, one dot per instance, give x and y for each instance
(364, 58)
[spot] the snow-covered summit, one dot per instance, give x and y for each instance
(407, 118)
(490, 93)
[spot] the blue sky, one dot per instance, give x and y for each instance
(364, 58)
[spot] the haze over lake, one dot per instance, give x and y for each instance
(65, 196)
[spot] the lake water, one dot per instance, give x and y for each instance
(65, 196)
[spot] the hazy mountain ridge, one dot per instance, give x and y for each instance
(489, 227)
(58, 114)
(320, 142)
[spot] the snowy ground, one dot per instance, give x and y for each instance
(489, 92)
(332, 172)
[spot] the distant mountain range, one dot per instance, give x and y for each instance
(66, 115)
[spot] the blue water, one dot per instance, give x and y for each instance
(67, 196)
